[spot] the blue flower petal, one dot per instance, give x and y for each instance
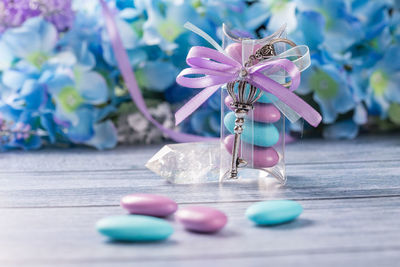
(56, 82)
(341, 130)
(156, 75)
(32, 143)
(284, 14)
(177, 93)
(342, 35)
(388, 62)
(35, 35)
(83, 130)
(200, 122)
(311, 24)
(105, 136)
(33, 95)
(255, 15)
(393, 88)
(128, 36)
(9, 113)
(92, 87)
(21, 41)
(215, 122)
(6, 56)
(360, 115)
(86, 59)
(332, 92)
(47, 121)
(13, 79)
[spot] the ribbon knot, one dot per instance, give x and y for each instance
(243, 73)
(216, 69)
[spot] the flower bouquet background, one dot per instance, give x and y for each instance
(60, 82)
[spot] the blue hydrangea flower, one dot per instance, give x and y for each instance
(207, 120)
(329, 25)
(78, 94)
(165, 22)
(63, 87)
(346, 129)
(383, 89)
(56, 91)
(34, 42)
(330, 90)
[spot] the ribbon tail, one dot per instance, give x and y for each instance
(289, 113)
(307, 112)
(204, 35)
(130, 80)
(194, 103)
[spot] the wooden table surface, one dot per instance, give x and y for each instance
(51, 199)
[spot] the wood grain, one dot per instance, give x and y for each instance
(106, 188)
(314, 151)
(326, 227)
(51, 199)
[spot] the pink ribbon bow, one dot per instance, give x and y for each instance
(218, 69)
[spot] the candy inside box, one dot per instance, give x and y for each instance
(261, 143)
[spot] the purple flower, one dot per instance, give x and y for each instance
(14, 12)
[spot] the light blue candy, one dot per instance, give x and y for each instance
(134, 228)
(273, 212)
(265, 134)
(267, 98)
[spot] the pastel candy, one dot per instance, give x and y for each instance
(133, 228)
(264, 134)
(149, 204)
(267, 113)
(267, 98)
(273, 212)
(263, 157)
(235, 51)
(201, 219)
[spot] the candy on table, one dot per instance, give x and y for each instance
(273, 212)
(141, 228)
(265, 135)
(263, 157)
(201, 219)
(134, 228)
(149, 204)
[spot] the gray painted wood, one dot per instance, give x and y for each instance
(327, 226)
(51, 199)
(364, 149)
(106, 188)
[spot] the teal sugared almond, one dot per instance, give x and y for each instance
(265, 134)
(267, 98)
(134, 228)
(274, 212)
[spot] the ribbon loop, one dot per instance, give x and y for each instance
(217, 69)
(200, 52)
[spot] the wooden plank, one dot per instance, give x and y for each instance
(364, 258)
(50, 200)
(106, 188)
(357, 231)
(308, 151)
